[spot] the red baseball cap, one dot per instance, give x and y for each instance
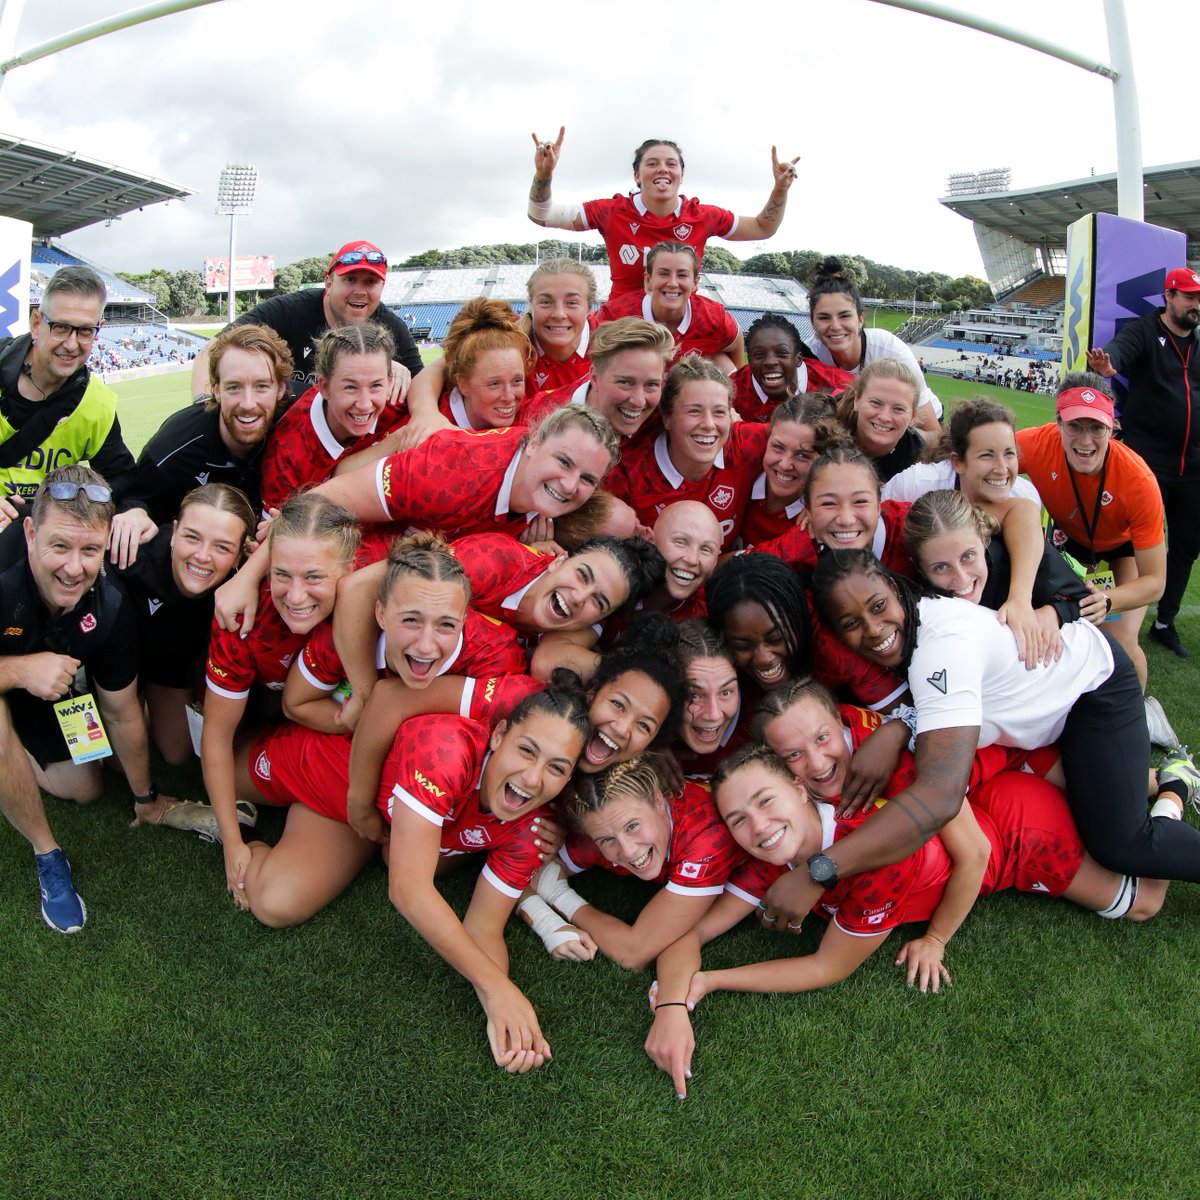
(359, 256)
(1084, 404)
(1182, 279)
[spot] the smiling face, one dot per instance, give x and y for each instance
(304, 575)
(956, 562)
(559, 310)
(698, 426)
(352, 298)
(843, 505)
(65, 557)
(421, 624)
(882, 413)
(712, 703)
(659, 175)
(1085, 443)
(247, 394)
(628, 389)
(768, 815)
(811, 742)
(529, 765)
(494, 389)
(626, 714)
(632, 832)
(574, 592)
(556, 475)
(670, 280)
(54, 358)
(356, 393)
(688, 536)
(836, 321)
(790, 452)
(868, 617)
(773, 359)
(989, 470)
(205, 545)
(758, 645)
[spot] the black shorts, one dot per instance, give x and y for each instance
(1088, 557)
(36, 725)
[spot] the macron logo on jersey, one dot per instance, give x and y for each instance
(938, 679)
(202, 478)
(634, 226)
(154, 605)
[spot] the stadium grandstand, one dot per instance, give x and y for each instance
(427, 299)
(60, 191)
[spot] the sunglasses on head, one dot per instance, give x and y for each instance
(376, 258)
(101, 493)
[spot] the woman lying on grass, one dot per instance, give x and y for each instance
(777, 812)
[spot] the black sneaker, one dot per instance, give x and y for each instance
(1166, 636)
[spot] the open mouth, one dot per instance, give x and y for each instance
(638, 865)
(419, 668)
(888, 644)
(556, 496)
(771, 842)
(600, 749)
(826, 777)
(559, 607)
(514, 798)
(682, 577)
(200, 574)
(769, 676)
(843, 537)
(707, 735)
(631, 415)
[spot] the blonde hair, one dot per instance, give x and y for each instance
(944, 511)
(692, 369)
(881, 368)
(776, 703)
(314, 516)
(629, 333)
(640, 777)
(426, 555)
(578, 416)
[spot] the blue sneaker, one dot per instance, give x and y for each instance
(62, 908)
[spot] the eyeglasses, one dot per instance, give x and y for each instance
(375, 257)
(62, 331)
(63, 489)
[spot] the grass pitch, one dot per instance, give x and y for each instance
(175, 1048)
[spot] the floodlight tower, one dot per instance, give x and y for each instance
(235, 197)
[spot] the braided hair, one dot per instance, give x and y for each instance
(777, 589)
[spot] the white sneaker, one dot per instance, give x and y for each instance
(1161, 733)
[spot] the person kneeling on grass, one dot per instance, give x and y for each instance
(1026, 840)
(450, 786)
(62, 613)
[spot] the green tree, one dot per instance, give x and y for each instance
(185, 293)
(773, 263)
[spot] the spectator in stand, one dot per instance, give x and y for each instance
(1161, 421)
(776, 369)
(653, 213)
(354, 283)
(836, 311)
(699, 326)
(221, 441)
(53, 411)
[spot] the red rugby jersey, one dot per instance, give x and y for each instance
(706, 328)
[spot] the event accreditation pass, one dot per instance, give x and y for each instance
(82, 729)
(1103, 581)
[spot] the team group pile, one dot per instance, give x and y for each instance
(614, 589)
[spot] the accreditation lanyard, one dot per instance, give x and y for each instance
(1089, 527)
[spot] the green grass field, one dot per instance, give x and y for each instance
(177, 1049)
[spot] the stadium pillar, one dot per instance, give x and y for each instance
(1130, 200)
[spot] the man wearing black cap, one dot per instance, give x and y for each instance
(354, 283)
(1158, 355)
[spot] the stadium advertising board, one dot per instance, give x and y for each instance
(251, 272)
(16, 238)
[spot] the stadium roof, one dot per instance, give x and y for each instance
(58, 191)
(1042, 214)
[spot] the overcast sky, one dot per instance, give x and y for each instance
(409, 124)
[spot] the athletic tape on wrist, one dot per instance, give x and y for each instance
(546, 923)
(557, 892)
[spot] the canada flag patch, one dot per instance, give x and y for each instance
(88, 623)
(721, 497)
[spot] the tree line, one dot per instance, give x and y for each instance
(181, 293)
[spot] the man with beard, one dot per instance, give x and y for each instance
(1158, 355)
(220, 441)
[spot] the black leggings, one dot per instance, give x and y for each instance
(1105, 753)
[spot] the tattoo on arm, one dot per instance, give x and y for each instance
(540, 191)
(772, 212)
(924, 821)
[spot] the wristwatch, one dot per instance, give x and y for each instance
(823, 870)
(149, 797)
(1107, 604)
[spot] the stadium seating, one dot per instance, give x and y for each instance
(1047, 292)
(121, 346)
(45, 260)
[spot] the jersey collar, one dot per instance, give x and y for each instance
(458, 410)
(758, 491)
(320, 425)
(504, 497)
(648, 314)
(639, 204)
(667, 467)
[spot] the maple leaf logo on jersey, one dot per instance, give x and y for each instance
(1060, 539)
(88, 623)
(938, 679)
(262, 765)
(682, 231)
(721, 497)
(629, 254)
(474, 837)
(1106, 497)
(690, 870)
